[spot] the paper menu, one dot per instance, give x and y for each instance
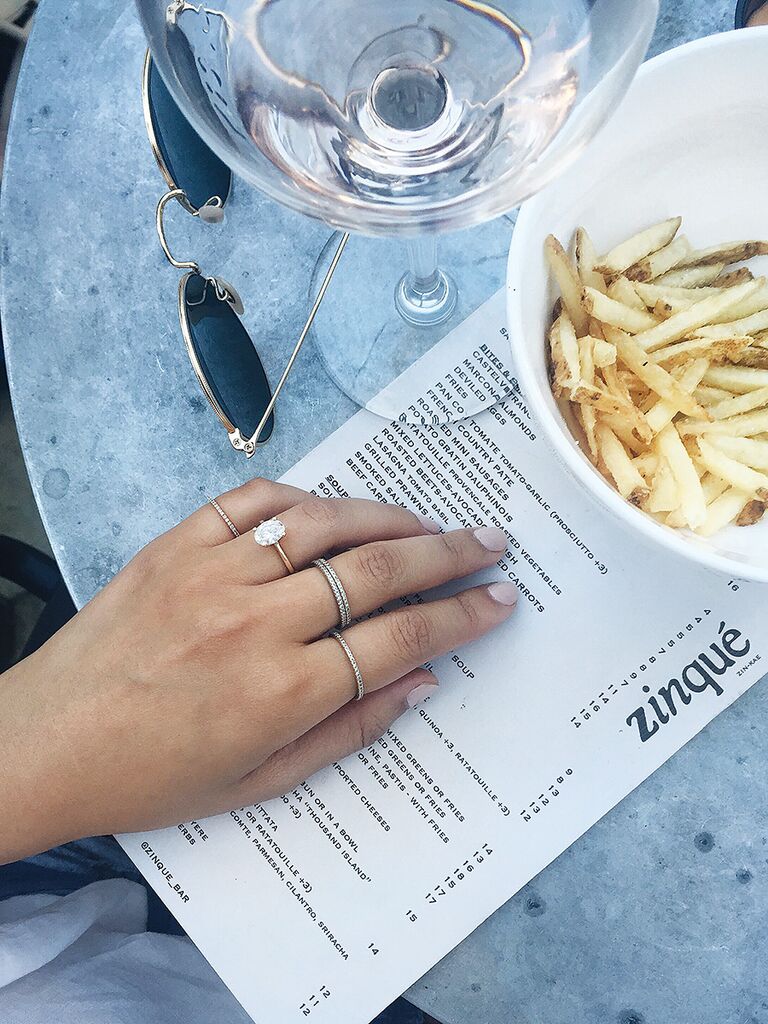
(330, 902)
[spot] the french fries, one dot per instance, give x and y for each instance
(629, 482)
(738, 404)
(747, 326)
(730, 278)
(660, 262)
(568, 282)
(721, 350)
(586, 257)
(693, 277)
(754, 510)
(731, 470)
(692, 503)
(638, 247)
(733, 252)
(622, 290)
(662, 352)
(746, 425)
(723, 510)
(616, 314)
(654, 377)
(698, 315)
(665, 493)
(738, 379)
(746, 449)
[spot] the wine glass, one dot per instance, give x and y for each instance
(399, 121)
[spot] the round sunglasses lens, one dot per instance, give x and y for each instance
(191, 164)
(227, 357)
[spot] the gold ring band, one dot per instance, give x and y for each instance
(286, 560)
(352, 661)
(233, 529)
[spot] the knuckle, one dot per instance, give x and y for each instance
(145, 563)
(301, 678)
(469, 610)
(379, 564)
(454, 550)
(257, 485)
(323, 511)
(222, 622)
(411, 633)
(364, 730)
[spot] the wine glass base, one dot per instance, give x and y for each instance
(366, 344)
(427, 308)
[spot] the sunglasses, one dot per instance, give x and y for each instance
(223, 355)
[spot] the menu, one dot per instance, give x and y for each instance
(329, 902)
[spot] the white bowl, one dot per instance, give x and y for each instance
(690, 138)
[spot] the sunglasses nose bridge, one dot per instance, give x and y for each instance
(179, 195)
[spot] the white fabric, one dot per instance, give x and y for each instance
(86, 959)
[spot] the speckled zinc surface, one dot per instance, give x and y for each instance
(659, 915)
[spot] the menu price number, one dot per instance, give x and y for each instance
(593, 706)
(458, 874)
(544, 799)
(292, 801)
(596, 704)
(312, 1002)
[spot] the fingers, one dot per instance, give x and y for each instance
(388, 646)
(318, 526)
(377, 573)
(354, 727)
(246, 506)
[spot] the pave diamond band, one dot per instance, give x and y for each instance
(337, 588)
(232, 528)
(352, 661)
(269, 534)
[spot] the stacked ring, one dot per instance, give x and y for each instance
(337, 588)
(232, 528)
(352, 661)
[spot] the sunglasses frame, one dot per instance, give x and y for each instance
(238, 442)
(212, 211)
(154, 143)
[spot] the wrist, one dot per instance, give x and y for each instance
(37, 792)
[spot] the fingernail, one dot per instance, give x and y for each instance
(420, 693)
(491, 538)
(429, 524)
(504, 593)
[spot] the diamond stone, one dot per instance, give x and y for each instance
(270, 532)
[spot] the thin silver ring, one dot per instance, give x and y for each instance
(352, 661)
(337, 587)
(224, 516)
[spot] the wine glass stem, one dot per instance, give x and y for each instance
(425, 295)
(422, 262)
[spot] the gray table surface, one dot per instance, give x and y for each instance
(658, 915)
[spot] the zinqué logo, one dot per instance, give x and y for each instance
(703, 673)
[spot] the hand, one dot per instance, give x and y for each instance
(201, 678)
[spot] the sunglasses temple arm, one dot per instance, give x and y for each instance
(302, 337)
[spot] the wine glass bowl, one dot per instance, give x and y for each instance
(398, 117)
(402, 119)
